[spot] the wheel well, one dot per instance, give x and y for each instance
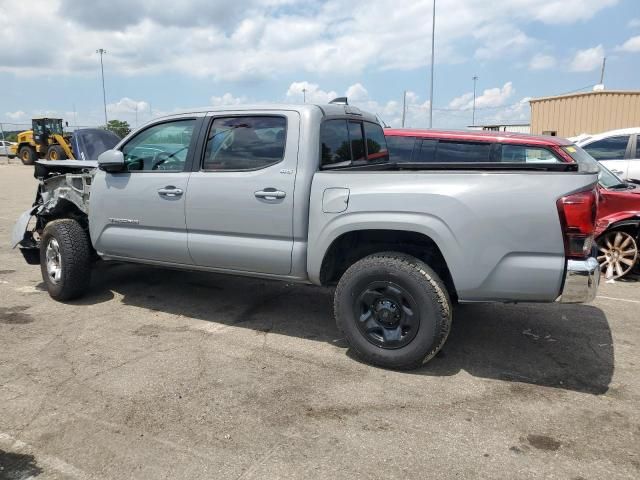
(631, 227)
(64, 209)
(353, 246)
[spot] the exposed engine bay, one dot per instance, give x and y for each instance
(63, 192)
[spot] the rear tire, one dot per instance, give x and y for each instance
(28, 155)
(65, 259)
(56, 152)
(394, 310)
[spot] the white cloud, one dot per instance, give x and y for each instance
(299, 91)
(541, 61)
(500, 41)
(127, 105)
(634, 23)
(632, 45)
(587, 60)
(227, 99)
(492, 97)
(16, 116)
(253, 39)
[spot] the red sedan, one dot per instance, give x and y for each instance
(618, 221)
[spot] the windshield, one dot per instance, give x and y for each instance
(605, 177)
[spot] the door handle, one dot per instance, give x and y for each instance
(170, 191)
(270, 194)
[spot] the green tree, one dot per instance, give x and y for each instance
(119, 127)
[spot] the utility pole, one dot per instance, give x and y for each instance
(604, 64)
(102, 51)
(433, 39)
(475, 79)
(136, 114)
(404, 107)
(4, 145)
(75, 118)
(304, 95)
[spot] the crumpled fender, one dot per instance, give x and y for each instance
(20, 227)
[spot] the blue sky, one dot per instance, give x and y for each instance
(164, 55)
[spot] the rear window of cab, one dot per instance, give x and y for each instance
(346, 142)
(426, 150)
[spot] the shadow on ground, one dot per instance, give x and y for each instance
(554, 345)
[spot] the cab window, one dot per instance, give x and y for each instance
(459, 152)
(245, 143)
(612, 148)
(160, 148)
(349, 142)
(524, 154)
(401, 148)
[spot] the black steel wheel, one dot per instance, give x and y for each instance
(393, 309)
(387, 314)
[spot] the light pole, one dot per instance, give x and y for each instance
(475, 79)
(102, 51)
(433, 39)
(304, 95)
(404, 107)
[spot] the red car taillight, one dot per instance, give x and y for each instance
(578, 218)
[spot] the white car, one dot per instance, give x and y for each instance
(5, 149)
(618, 150)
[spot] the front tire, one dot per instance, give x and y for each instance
(65, 259)
(394, 310)
(56, 152)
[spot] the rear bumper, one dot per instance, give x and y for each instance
(581, 281)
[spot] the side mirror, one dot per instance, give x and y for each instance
(111, 161)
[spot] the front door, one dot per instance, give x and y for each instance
(240, 199)
(139, 213)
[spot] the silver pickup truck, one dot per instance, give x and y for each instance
(308, 194)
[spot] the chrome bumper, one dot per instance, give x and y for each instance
(581, 281)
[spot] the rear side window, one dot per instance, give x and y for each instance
(612, 148)
(356, 136)
(344, 142)
(401, 148)
(459, 152)
(377, 150)
(524, 154)
(335, 143)
(427, 152)
(245, 143)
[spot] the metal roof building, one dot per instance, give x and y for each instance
(590, 112)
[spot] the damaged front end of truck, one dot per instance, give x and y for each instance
(63, 192)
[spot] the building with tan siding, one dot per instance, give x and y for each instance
(590, 112)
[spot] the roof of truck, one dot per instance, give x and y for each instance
(334, 109)
(473, 135)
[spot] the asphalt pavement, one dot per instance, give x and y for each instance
(166, 374)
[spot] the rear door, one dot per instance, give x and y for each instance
(139, 213)
(239, 205)
(612, 152)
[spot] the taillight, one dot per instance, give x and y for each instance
(578, 218)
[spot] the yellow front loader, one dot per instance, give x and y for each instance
(46, 139)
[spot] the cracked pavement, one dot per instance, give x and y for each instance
(167, 374)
